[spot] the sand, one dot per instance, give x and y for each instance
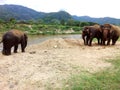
(49, 63)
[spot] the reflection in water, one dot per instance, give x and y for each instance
(34, 39)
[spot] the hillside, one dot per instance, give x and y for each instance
(24, 13)
(97, 20)
(61, 15)
(18, 12)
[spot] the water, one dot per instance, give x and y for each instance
(34, 39)
(39, 39)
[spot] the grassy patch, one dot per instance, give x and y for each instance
(108, 79)
(43, 29)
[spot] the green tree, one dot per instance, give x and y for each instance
(70, 22)
(55, 21)
(1, 21)
(40, 21)
(82, 24)
(62, 22)
(11, 23)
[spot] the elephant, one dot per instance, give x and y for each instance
(13, 38)
(90, 32)
(85, 35)
(110, 32)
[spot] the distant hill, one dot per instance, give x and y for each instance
(61, 15)
(19, 12)
(97, 20)
(23, 13)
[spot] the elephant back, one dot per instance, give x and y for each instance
(115, 29)
(97, 27)
(17, 33)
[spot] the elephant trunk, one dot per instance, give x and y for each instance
(106, 34)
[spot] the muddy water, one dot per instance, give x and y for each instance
(39, 39)
(34, 39)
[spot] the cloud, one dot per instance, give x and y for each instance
(2, 1)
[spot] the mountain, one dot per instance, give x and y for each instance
(18, 12)
(97, 20)
(24, 13)
(61, 15)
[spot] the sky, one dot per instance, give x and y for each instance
(92, 8)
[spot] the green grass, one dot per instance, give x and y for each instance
(108, 79)
(41, 29)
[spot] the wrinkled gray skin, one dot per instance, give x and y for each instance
(12, 39)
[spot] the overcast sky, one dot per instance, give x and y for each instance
(92, 8)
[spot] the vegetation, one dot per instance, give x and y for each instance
(108, 79)
(42, 27)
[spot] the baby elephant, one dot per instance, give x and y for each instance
(13, 38)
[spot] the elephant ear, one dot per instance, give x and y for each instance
(86, 30)
(101, 27)
(111, 28)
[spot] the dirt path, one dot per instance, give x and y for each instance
(46, 64)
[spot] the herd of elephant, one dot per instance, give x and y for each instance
(104, 34)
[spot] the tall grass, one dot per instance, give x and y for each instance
(108, 79)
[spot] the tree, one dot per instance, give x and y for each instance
(62, 22)
(82, 24)
(1, 21)
(70, 22)
(11, 23)
(55, 21)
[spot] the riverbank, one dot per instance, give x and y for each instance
(48, 64)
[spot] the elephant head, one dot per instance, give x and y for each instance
(6, 51)
(85, 34)
(106, 30)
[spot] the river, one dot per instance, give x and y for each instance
(34, 39)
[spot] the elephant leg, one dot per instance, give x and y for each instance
(9, 51)
(84, 41)
(108, 42)
(23, 46)
(103, 42)
(90, 42)
(87, 40)
(15, 48)
(83, 37)
(114, 40)
(98, 40)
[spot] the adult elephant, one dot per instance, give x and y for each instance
(90, 32)
(13, 38)
(110, 32)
